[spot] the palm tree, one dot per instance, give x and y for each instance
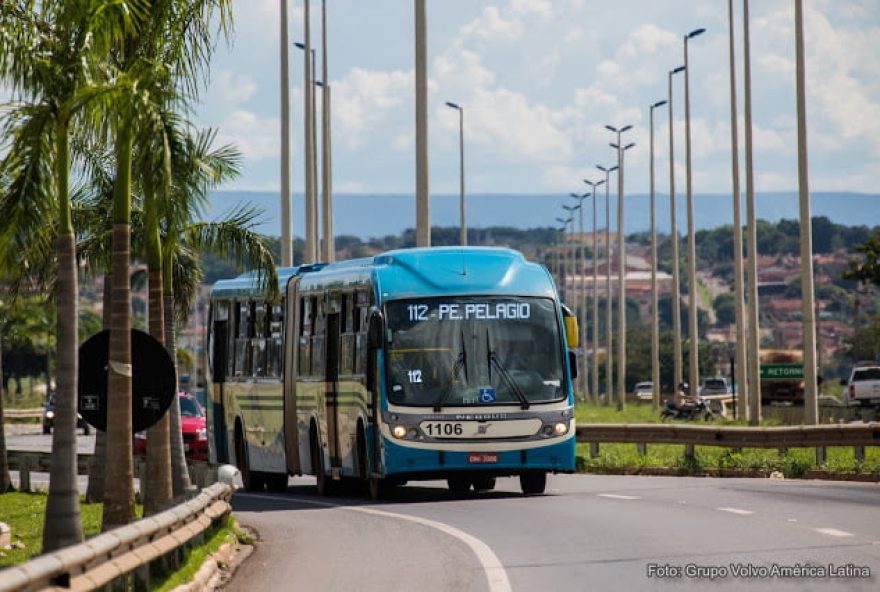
(170, 44)
(47, 58)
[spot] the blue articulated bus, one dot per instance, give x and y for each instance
(434, 363)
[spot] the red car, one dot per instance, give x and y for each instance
(193, 424)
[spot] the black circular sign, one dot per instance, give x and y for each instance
(153, 382)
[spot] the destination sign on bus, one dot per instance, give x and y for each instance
(483, 311)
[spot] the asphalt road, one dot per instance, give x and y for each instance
(587, 533)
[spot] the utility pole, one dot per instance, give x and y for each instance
(423, 218)
(655, 322)
(286, 218)
(326, 171)
(676, 258)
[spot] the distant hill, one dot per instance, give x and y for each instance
(377, 215)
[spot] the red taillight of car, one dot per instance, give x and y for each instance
(852, 391)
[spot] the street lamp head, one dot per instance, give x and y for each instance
(695, 32)
(611, 127)
(613, 145)
(630, 145)
(625, 128)
(453, 105)
(299, 45)
(319, 83)
(677, 70)
(658, 104)
(601, 168)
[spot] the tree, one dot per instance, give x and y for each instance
(161, 60)
(725, 309)
(868, 269)
(48, 54)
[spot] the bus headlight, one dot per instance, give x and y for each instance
(560, 429)
(399, 432)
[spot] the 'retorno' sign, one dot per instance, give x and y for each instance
(153, 380)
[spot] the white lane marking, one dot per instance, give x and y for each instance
(735, 511)
(495, 572)
(833, 532)
(618, 496)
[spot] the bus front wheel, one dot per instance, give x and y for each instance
(251, 480)
(533, 483)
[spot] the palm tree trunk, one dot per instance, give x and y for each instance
(98, 461)
(5, 479)
(119, 491)
(157, 492)
(62, 524)
(179, 470)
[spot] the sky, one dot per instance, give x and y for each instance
(540, 79)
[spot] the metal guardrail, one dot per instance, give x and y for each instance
(115, 554)
(819, 436)
(201, 473)
(23, 413)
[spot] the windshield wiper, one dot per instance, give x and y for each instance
(492, 357)
(460, 362)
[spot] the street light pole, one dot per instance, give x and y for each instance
(463, 228)
(754, 344)
(676, 258)
(621, 269)
(423, 219)
(609, 379)
(564, 258)
(595, 296)
(311, 254)
(286, 218)
(694, 376)
(742, 388)
(582, 295)
(808, 308)
(326, 171)
(655, 323)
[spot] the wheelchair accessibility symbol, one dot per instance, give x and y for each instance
(487, 395)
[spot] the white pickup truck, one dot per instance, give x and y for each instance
(863, 386)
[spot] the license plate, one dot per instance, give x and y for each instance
(483, 458)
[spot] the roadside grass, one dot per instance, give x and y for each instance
(25, 514)
(794, 462)
(214, 538)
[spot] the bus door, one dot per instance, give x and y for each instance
(332, 380)
(292, 323)
(219, 364)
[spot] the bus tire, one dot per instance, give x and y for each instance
(533, 483)
(459, 485)
(251, 480)
(322, 482)
(484, 483)
(276, 482)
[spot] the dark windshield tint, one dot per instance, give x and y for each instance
(189, 408)
(866, 374)
(474, 351)
(716, 384)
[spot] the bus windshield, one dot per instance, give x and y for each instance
(475, 350)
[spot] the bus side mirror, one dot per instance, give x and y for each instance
(572, 335)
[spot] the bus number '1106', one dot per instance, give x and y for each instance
(443, 429)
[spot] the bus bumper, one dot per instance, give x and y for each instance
(557, 457)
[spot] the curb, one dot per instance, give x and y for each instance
(5, 534)
(218, 568)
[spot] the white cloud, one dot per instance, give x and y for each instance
(363, 99)
(257, 137)
(541, 8)
(492, 25)
(234, 87)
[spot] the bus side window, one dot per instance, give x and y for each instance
(219, 340)
(231, 337)
(258, 341)
(318, 328)
(242, 341)
(304, 346)
(275, 327)
(360, 328)
(347, 340)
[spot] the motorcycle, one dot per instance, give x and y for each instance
(691, 408)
